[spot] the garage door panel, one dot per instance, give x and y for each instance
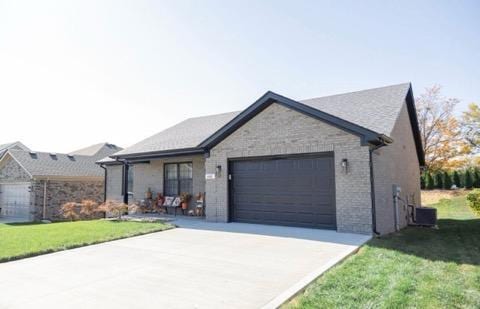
(301, 220)
(290, 216)
(15, 200)
(252, 185)
(292, 191)
(290, 200)
(293, 184)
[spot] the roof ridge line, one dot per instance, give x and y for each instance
(352, 92)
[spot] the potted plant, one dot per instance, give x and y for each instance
(159, 203)
(185, 198)
(149, 194)
(160, 199)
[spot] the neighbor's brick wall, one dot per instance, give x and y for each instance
(279, 130)
(396, 164)
(114, 182)
(60, 192)
(11, 171)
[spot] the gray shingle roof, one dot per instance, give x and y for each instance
(14, 145)
(5, 146)
(98, 150)
(62, 165)
(44, 164)
(374, 109)
(186, 134)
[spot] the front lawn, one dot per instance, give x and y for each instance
(415, 268)
(19, 240)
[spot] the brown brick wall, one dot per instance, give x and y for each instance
(60, 192)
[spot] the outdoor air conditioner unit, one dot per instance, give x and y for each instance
(426, 216)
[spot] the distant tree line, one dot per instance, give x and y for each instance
(466, 178)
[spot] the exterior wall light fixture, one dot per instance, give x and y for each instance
(344, 165)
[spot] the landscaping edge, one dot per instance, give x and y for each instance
(302, 285)
(43, 252)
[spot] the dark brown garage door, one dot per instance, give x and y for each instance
(284, 191)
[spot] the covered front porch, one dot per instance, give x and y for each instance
(172, 186)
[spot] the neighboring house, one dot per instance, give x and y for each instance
(331, 162)
(14, 145)
(34, 185)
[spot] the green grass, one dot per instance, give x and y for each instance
(414, 268)
(19, 240)
(454, 208)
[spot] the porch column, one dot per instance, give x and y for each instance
(125, 182)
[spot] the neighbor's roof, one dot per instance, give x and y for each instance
(373, 110)
(98, 150)
(14, 145)
(44, 164)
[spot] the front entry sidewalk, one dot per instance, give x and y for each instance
(198, 265)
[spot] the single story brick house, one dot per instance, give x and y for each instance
(332, 162)
(34, 185)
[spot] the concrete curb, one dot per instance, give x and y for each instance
(301, 285)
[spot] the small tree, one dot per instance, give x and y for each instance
(476, 178)
(429, 185)
(422, 181)
(468, 179)
(447, 181)
(89, 208)
(114, 207)
(456, 179)
(438, 180)
(69, 211)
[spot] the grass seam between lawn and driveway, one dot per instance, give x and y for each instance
(300, 287)
(414, 268)
(162, 226)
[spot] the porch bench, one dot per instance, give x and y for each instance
(174, 209)
(172, 202)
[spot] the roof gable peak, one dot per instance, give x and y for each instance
(271, 97)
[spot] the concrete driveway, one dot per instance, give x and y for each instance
(199, 265)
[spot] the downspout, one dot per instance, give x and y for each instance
(125, 179)
(44, 212)
(104, 183)
(384, 142)
(372, 193)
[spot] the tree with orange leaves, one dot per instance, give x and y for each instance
(442, 138)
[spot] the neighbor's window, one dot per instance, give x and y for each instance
(178, 178)
(130, 179)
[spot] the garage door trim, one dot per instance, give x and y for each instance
(230, 162)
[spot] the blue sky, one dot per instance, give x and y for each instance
(74, 73)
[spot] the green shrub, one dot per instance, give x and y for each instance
(422, 181)
(473, 199)
(447, 181)
(456, 179)
(429, 185)
(468, 181)
(476, 178)
(438, 180)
